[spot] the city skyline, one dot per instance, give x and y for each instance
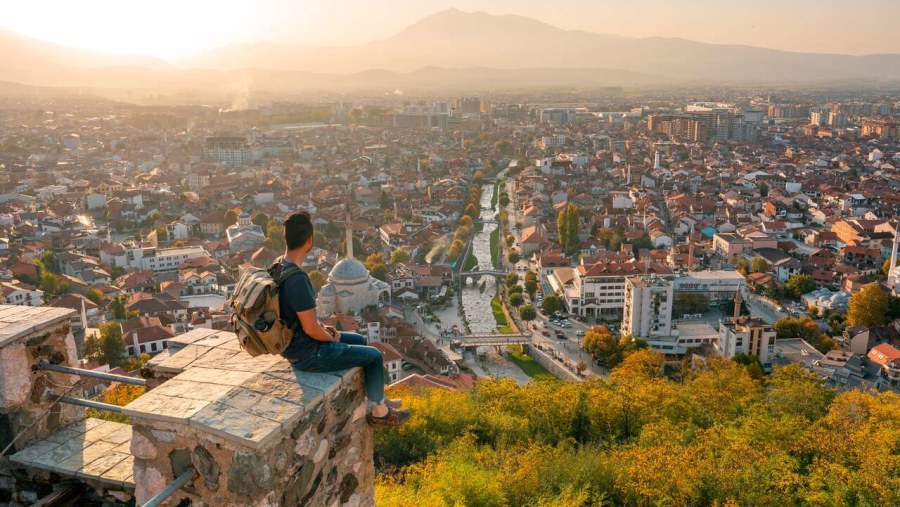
(203, 26)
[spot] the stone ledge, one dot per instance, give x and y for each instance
(91, 450)
(21, 321)
(219, 389)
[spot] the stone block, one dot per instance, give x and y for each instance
(250, 475)
(192, 390)
(216, 376)
(15, 376)
(237, 426)
(163, 408)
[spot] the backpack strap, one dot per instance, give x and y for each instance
(286, 273)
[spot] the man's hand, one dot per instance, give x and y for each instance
(335, 334)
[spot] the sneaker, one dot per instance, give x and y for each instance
(393, 418)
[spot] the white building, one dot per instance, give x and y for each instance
(244, 235)
(21, 294)
(598, 290)
(747, 335)
(230, 150)
(392, 361)
(350, 287)
(166, 260)
(666, 310)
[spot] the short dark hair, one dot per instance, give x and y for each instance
(298, 228)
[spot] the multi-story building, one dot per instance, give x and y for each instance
(598, 290)
(883, 128)
(648, 307)
(667, 311)
(167, 260)
(21, 294)
(788, 111)
(230, 150)
(244, 235)
(747, 335)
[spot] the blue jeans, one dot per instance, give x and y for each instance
(351, 351)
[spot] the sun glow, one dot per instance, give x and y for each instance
(165, 28)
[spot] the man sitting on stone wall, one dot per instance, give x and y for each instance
(319, 348)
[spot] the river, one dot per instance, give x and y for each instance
(477, 304)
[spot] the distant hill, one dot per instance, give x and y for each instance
(457, 39)
(448, 50)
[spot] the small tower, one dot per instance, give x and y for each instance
(656, 161)
(737, 304)
(349, 233)
(690, 259)
(893, 278)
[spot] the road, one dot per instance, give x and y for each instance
(761, 308)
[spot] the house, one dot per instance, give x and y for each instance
(76, 302)
(887, 357)
(392, 361)
(21, 293)
(532, 238)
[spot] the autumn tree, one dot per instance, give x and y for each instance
(572, 221)
(262, 220)
(800, 284)
(400, 255)
(513, 256)
(600, 343)
(550, 304)
(374, 260)
(562, 228)
(868, 307)
(759, 265)
(94, 295)
(516, 300)
(317, 279)
(230, 217)
(580, 427)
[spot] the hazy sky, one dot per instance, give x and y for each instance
(172, 29)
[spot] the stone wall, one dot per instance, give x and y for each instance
(28, 335)
(551, 365)
(323, 459)
(257, 432)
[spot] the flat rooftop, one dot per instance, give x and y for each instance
(795, 350)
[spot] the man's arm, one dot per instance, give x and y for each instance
(313, 328)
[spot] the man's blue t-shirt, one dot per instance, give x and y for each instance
(296, 294)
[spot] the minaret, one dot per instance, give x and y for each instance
(418, 163)
(737, 304)
(892, 276)
(349, 233)
(656, 164)
(628, 176)
(690, 259)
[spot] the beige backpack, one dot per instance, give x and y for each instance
(255, 314)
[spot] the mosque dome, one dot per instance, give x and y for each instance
(348, 271)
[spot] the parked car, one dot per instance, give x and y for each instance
(545, 333)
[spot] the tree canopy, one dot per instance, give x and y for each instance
(868, 307)
(717, 436)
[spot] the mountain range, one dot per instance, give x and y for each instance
(449, 49)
